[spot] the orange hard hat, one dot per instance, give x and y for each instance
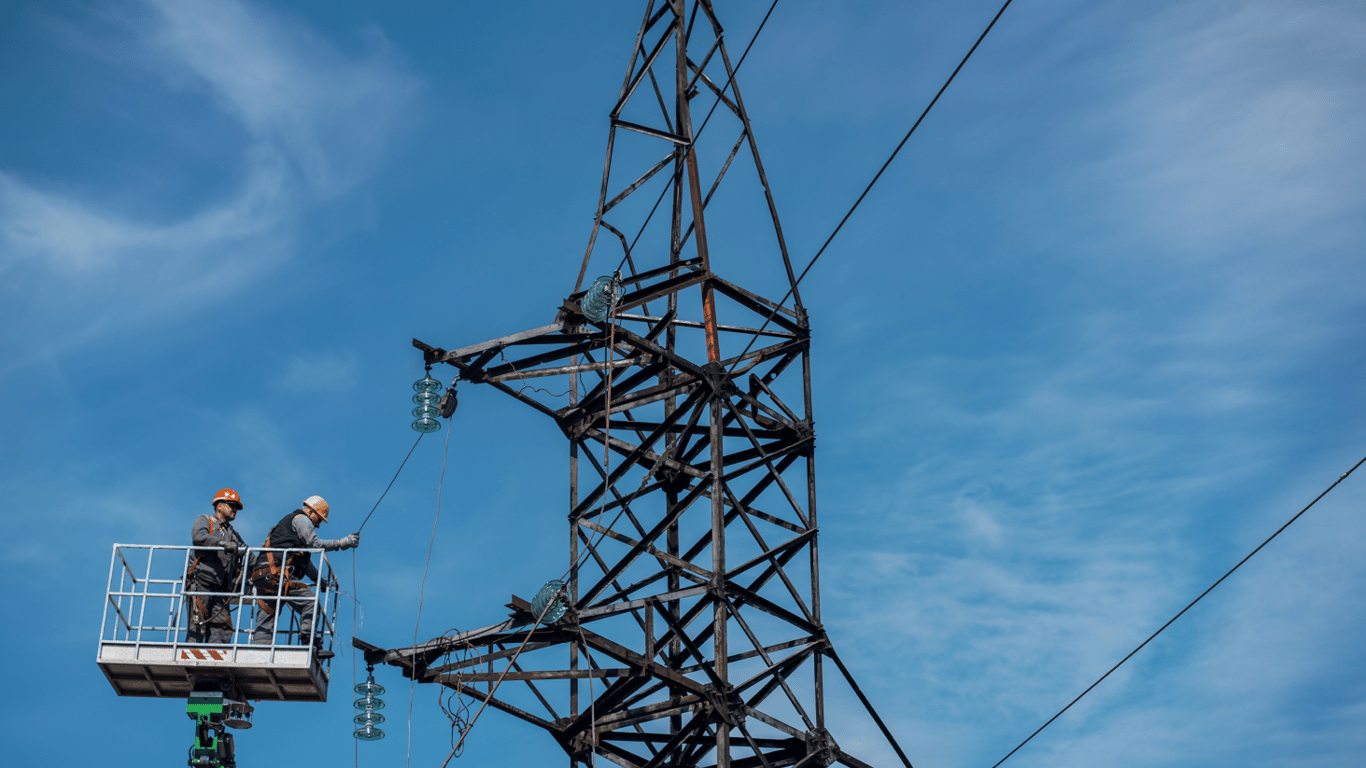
(317, 504)
(228, 495)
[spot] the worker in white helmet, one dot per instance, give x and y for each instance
(296, 530)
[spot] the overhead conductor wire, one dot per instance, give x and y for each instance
(1190, 605)
(869, 188)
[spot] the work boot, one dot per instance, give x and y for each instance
(318, 649)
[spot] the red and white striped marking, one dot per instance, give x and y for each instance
(192, 654)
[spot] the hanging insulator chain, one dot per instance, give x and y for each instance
(427, 398)
(369, 705)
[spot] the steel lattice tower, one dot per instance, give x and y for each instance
(694, 630)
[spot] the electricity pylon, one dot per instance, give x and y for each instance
(691, 609)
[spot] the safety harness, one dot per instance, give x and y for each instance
(270, 566)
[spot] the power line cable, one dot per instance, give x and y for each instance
(867, 189)
(1187, 608)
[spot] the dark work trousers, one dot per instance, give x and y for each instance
(210, 617)
(296, 595)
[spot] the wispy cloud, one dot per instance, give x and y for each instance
(317, 123)
(318, 371)
(1051, 506)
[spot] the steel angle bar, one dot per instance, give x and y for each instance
(773, 609)
(665, 557)
(761, 306)
(532, 675)
(648, 738)
(769, 554)
(634, 454)
(782, 364)
(712, 86)
(717, 182)
(778, 671)
(744, 593)
(678, 740)
(757, 383)
(580, 368)
(740, 329)
(502, 705)
(601, 610)
(763, 177)
(602, 198)
(633, 716)
(587, 598)
(630, 262)
(502, 341)
(754, 745)
(659, 97)
(645, 694)
(619, 756)
(624, 502)
(792, 447)
(703, 541)
(773, 722)
(453, 667)
(768, 461)
(724, 167)
(753, 654)
(757, 406)
(517, 669)
(500, 386)
(628, 590)
(648, 131)
(693, 265)
(677, 429)
(868, 705)
(528, 363)
(589, 408)
(644, 67)
(636, 185)
(660, 289)
(851, 761)
(705, 59)
(645, 24)
(763, 654)
(799, 344)
(773, 558)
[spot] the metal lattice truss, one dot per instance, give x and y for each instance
(694, 627)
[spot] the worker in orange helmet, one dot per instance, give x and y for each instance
(296, 530)
(213, 570)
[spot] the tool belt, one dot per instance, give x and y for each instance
(265, 577)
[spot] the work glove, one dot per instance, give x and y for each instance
(351, 542)
(231, 546)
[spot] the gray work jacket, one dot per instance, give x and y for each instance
(220, 567)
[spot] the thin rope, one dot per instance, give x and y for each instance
(592, 700)
(355, 583)
(1187, 608)
(355, 607)
(412, 688)
(607, 427)
(548, 605)
(391, 482)
(868, 188)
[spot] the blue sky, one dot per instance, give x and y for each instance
(1097, 332)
